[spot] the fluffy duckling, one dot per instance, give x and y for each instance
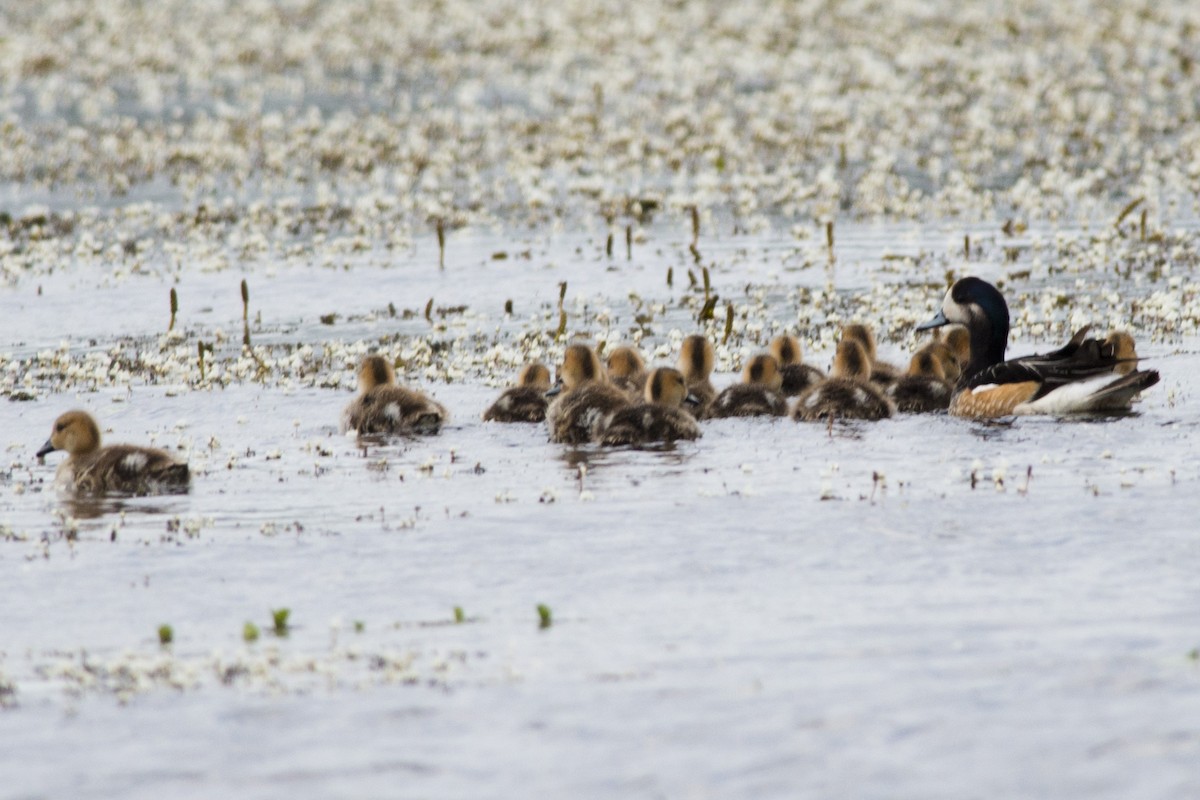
(660, 418)
(125, 468)
(696, 360)
(1124, 350)
(756, 396)
(525, 402)
(958, 339)
(925, 388)
(797, 376)
(382, 406)
(627, 370)
(881, 372)
(583, 398)
(1079, 377)
(848, 392)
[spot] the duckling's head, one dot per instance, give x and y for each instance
(786, 350)
(535, 376)
(861, 334)
(958, 339)
(375, 371)
(1122, 344)
(696, 358)
(580, 365)
(925, 363)
(74, 432)
(763, 370)
(666, 386)
(945, 357)
(851, 361)
(624, 362)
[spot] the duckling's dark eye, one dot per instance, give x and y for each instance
(58, 427)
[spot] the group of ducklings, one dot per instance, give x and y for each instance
(619, 402)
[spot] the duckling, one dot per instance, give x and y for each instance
(848, 392)
(797, 376)
(757, 395)
(627, 371)
(696, 359)
(660, 418)
(946, 357)
(958, 339)
(583, 397)
(882, 373)
(90, 468)
(1124, 350)
(525, 402)
(925, 387)
(384, 407)
(1079, 377)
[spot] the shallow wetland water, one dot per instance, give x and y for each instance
(921, 607)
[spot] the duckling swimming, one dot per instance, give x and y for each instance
(660, 418)
(627, 371)
(1124, 350)
(583, 398)
(384, 407)
(696, 359)
(797, 376)
(924, 388)
(1079, 377)
(525, 402)
(881, 372)
(848, 392)
(958, 339)
(757, 395)
(90, 468)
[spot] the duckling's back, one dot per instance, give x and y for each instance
(578, 416)
(646, 423)
(518, 404)
(126, 469)
(842, 398)
(392, 409)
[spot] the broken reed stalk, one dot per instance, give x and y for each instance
(670, 276)
(629, 243)
(174, 310)
(245, 313)
(967, 246)
(695, 226)
(829, 235)
(1143, 225)
(608, 245)
(728, 323)
(1127, 210)
(429, 311)
(441, 237)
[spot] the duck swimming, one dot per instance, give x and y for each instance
(660, 418)
(627, 370)
(925, 387)
(382, 406)
(90, 468)
(525, 402)
(583, 398)
(848, 392)
(797, 376)
(1079, 377)
(696, 359)
(756, 396)
(881, 372)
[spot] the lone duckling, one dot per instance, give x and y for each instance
(696, 359)
(848, 392)
(797, 376)
(125, 468)
(881, 372)
(925, 388)
(660, 418)
(1080, 377)
(583, 398)
(627, 370)
(1124, 350)
(384, 407)
(525, 402)
(756, 396)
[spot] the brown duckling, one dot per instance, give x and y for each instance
(848, 392)
(627, 370)
(958, 339)
(1125, 350)
(525, 402)
(696, 360)
(382, 406)
(583, 397)
(797, 376)
(90, 468)
(881, 373)
(660, 418)
(757, 395)
(925, 388)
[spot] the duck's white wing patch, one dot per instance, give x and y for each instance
(1071, 398)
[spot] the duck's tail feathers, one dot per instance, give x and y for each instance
(1117, 395)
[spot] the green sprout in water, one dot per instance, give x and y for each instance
(280, 618)
(359, 626)
(250, 632)
(166, 634)
(544, 617)
(459, 616)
